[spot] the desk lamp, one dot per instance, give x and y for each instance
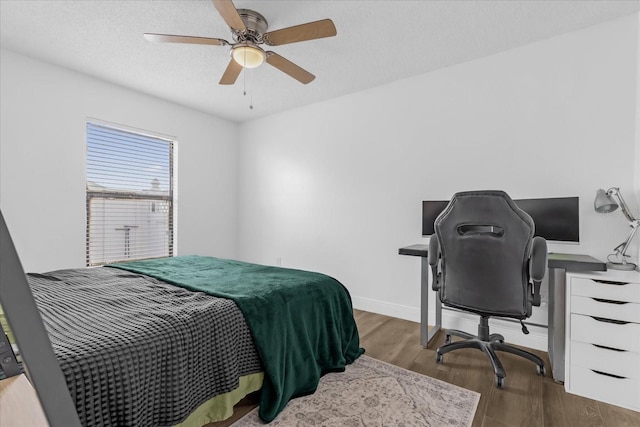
(605, 203)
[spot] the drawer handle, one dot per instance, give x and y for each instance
(609, 282)
(615, 322)
(608, 375)
(608, 348)
(609, 301)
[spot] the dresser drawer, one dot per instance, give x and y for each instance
(609, 309)
(617, 391)
(591, 331)
(618, 291)
(617, 362)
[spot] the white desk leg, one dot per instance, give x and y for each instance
(427, 335)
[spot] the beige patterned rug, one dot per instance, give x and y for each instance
(375, 393)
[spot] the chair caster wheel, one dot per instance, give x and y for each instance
(497, 338)
(447, 339)
(499, 382)
(438, 358)
(541, 370)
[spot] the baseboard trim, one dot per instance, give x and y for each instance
(388, 309)
(512, 331)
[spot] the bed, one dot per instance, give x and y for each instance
(180, 340)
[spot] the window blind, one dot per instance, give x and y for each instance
(129, 195)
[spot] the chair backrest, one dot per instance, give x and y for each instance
(485, 246)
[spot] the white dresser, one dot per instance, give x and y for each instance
(602, 359)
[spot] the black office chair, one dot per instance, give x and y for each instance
(484, 259)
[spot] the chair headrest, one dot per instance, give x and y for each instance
(484, 212)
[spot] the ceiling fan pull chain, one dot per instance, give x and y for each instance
(244, 76)
(251, 92)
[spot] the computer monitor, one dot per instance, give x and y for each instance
(557, 219)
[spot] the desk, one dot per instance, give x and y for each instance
(558, 264)
(426, 335)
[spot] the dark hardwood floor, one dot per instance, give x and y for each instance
(526, 400)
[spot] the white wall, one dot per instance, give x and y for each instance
(337, 187)
(637, 177)
(43, 112)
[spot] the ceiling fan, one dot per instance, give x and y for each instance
(248, 29)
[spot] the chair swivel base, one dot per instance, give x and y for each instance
(489, 345)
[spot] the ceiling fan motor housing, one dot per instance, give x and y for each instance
(256, 26)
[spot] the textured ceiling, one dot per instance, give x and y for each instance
(377, 42)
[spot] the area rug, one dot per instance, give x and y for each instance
(375, 393)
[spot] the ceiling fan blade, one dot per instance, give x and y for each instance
(288, 67)
(169, 38)
(298, 33)
(231, 73)
(230, 14)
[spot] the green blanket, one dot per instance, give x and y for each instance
(302, 322)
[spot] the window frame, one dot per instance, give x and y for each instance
(170, 199)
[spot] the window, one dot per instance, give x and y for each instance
(130, 183)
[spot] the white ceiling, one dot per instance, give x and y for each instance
(377, 42)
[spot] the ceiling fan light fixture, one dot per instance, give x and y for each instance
(247, 55)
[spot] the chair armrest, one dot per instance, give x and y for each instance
(538, 266)
(434, 249)
(433, 257)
